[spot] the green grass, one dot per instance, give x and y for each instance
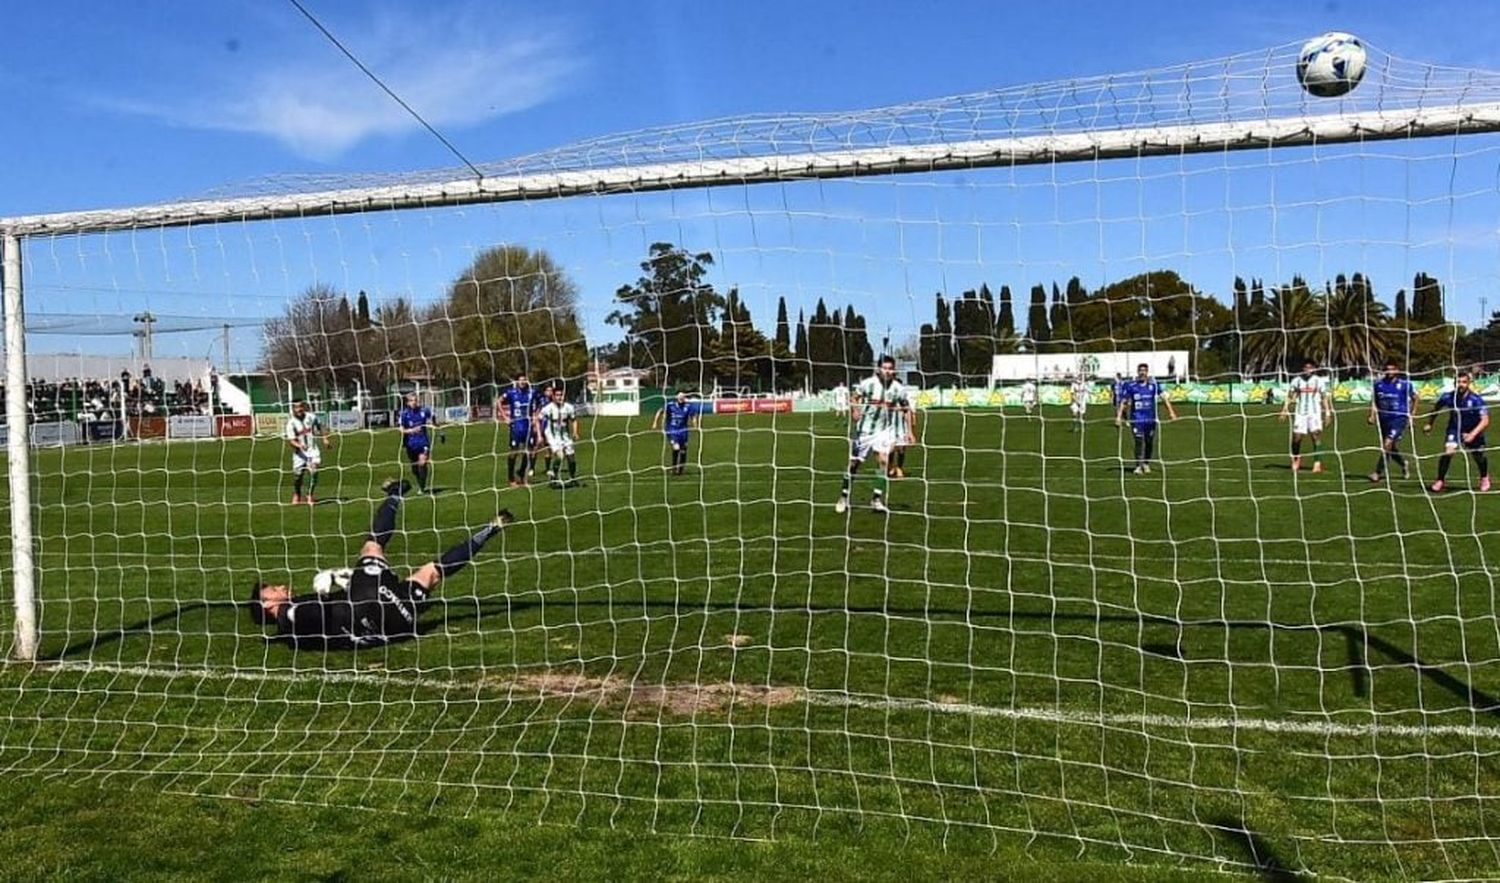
(1003, 671)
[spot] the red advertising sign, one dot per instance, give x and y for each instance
(773, 406)
(733, 406)
(148, 427)
(483, 412)
(234, 425)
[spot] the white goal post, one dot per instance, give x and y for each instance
(1138, 640)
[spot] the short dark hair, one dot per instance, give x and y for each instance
(887, 360)
(1309, 361)
(257, 609)
(1143, 365)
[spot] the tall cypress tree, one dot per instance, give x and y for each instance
(1005, 324)
(1036, 318)
(947, 358)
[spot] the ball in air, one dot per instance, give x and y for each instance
(1331, 65)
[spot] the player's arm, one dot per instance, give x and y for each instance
(1432, 415)
(577, 431)
(295, 440)
(1375, 411)
(656, 420)
(1171, 411)
(1327, 401)
(1478, 430)
(1120, 411)
(911, 424)
(1286, 404)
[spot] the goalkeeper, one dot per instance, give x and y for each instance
(376, 607)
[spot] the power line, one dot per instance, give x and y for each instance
(394, 97)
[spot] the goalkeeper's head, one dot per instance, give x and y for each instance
(266, 601)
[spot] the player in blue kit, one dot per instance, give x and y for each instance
(1138, 399)
(517, 406)
(413, 422)
(1467, 420)
(679, 416)
(1391, 407)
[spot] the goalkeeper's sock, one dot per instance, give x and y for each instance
(455, 558)
(1444, 462)
(384, 523)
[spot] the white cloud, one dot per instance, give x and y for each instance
(455, 69)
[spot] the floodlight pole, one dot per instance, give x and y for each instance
(18, 451)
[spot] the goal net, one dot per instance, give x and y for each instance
(1052, 640)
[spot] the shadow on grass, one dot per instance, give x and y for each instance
(1254, 850)
(1358, 642)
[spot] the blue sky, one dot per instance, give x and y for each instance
(131, 102)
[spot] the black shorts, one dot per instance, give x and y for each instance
(415, 452)
(391, 604)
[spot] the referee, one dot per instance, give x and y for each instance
(377, 607)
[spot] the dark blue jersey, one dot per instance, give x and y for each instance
(678, 417)
(411, 418)
(1393, 399)
(1140, 397)
(521, 404)
(1464, 412)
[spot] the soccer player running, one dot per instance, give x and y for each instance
(1308, 394)
(679, 416)
(1467, 420)
(1079, 401)
(1138, 398)
(873, 406)
(413, 422)
(377, 607)
(1392, 407)
(302, 434)
(557, 425)
(517, 406)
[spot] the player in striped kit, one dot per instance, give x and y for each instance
(873, 407)
(1308, 397)
(303, 432)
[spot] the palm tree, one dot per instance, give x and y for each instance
(1358, 327)
(1294, 326)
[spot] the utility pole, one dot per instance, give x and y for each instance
(147, 320)
(226, 368)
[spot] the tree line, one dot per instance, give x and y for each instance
(513, 309)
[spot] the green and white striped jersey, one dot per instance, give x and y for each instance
(879, 403)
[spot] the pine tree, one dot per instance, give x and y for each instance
(1005, 324)
(1036, 318)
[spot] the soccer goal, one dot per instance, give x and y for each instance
(1046, 635)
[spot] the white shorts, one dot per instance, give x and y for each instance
(302, 464)
(879, 442)
(1078, 407)
(1307, 424)
(1028, 403)
(560, 447)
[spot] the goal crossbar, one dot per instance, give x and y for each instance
(1194, 138)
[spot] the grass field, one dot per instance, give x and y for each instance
(1036, 664)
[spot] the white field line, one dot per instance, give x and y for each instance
(826, 699)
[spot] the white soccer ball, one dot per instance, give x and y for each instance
(327, 581)
(1331, 65)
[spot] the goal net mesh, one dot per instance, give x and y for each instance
(1035, 646)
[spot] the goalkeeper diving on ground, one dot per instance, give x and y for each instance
(375, 607)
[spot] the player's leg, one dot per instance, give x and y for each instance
(299, 472)
(1387, 447)
(1317, 448)
(1150, 447)
(452, 561)
(311, 498)
(858, 450)
(423, 470)
(1138, 433)
(510, 463)
(1444, 462)
(383, 525)
(1482, 460)
(1296, 450)
(571, 453)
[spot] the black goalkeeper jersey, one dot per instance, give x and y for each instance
(376, 609)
